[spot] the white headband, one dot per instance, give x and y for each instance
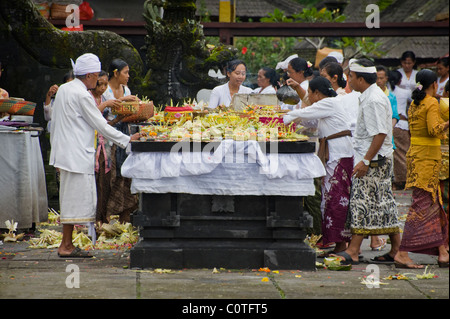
(86, 63)
(355, 67)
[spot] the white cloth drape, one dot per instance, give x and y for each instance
(233, 168)
(23, 192)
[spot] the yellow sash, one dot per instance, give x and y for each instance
(426, 141)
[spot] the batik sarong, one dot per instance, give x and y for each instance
(402, 141)
(336, 189)
(373, 210)
(426, 226)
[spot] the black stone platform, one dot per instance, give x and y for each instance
(282, 147)
(205, 231)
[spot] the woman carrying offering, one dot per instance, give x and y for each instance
(120, 202)
(298, 71)
(336, 153)
(426, 227)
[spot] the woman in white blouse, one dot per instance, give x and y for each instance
(408, 60)
(336, 152)
(223, 94)
(267, 81)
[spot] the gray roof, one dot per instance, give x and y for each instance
(253, 8)
(398, 11)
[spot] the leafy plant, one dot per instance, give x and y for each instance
(258, 52)
(312, 15)
(359, 47)
(276, 16)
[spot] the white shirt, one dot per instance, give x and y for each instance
(441, 86)
(408, 84)
(48, 114)
(374, 117)
(221, 95)
(403, 101)
(331, 118)
(74, 121)
(350, 102)
(267, 90)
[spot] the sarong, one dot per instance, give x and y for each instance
(120, 202)
(336, 188)
(373, 210)
(402, 141)
(103, 183)
(77, 198)
(426, 226)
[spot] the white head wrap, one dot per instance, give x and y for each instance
(355, 67)
(337, 55)
(86, 63)
(284, 64)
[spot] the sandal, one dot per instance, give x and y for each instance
(382, 246)
(347, 258)
(383, 259)
(322, 246)
(443, 264)
(76, 253)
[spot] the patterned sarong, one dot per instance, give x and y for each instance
(402, 142)
(426, 226)
(373, 210)
(336, 197)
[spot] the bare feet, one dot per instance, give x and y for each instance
(402, 260)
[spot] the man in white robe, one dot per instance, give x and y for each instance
(74, 121)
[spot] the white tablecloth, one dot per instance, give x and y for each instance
(234, 168)
(23, 192)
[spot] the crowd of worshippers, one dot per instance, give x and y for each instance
(379, 129)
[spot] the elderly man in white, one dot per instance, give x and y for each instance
(75, 119)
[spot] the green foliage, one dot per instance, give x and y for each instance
(312, 15)
(383, 4)
(359, 47)
(309, 15)
(276, 16)
(259, 52)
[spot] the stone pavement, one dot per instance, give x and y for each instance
(40, 274)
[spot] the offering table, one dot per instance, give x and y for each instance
(231, 204)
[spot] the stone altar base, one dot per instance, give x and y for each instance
(206, 231)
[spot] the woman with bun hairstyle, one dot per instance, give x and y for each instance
(426, 227)
(298, 71)
(120, 200)
(335, 74)
(267, 81)
(336, 153)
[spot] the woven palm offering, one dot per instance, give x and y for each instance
(16, 106)
(144, 112)
(126, 108)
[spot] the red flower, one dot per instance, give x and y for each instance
(244, 50)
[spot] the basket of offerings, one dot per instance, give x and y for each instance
(145, 110)
(126, 108)
(16, 106)
(175, 113)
